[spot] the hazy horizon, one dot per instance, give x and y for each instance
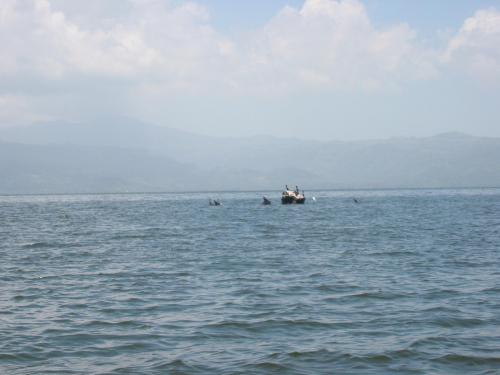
(91, 124)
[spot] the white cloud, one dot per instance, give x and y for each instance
(332, 44)
(172, 43)
(475, 49)
(326, 43)
(151, 48)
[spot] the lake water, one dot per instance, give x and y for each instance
(404, 282)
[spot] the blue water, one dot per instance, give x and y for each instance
(405, 282)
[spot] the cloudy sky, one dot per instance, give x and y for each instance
(322, 69)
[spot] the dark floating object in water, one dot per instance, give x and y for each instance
(214, 202)
(266, 202)
(355, 200)
(292, 196)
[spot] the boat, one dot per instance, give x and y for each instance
(292, 196)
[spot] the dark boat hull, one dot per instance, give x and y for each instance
(292, 200)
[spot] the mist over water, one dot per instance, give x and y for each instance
(405, 281)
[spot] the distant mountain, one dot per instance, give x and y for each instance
(108, 155)
(84, 169)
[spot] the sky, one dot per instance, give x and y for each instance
(315, 69)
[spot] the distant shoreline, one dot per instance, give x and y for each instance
(250, 191)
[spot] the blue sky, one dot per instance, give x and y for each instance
(335, 69)
(427, 16)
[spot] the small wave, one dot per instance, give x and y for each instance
(130, 309)
(392, 253)
(441, 309)
(175, 363)
(146, 234)
(325, 355)
(310, 353)
(267, 366)
(129, 323)
(425, 341)
(36, 245)
(494, 289)
(468, 359)
(366, 296)
(131, 237)
(177, 366)
(443, 294)
(449, 322)
(133, 347)
(25, 297)
(45, 245)
(337, 288)
(268, 324)
(17, 357)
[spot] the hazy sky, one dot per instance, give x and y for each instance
(311, 69)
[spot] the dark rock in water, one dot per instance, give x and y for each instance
(217, 203)
(214, 202)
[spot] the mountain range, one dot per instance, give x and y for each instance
(124, 155)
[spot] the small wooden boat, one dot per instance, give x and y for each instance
(292, 196)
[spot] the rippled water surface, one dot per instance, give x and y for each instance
(404, 282)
